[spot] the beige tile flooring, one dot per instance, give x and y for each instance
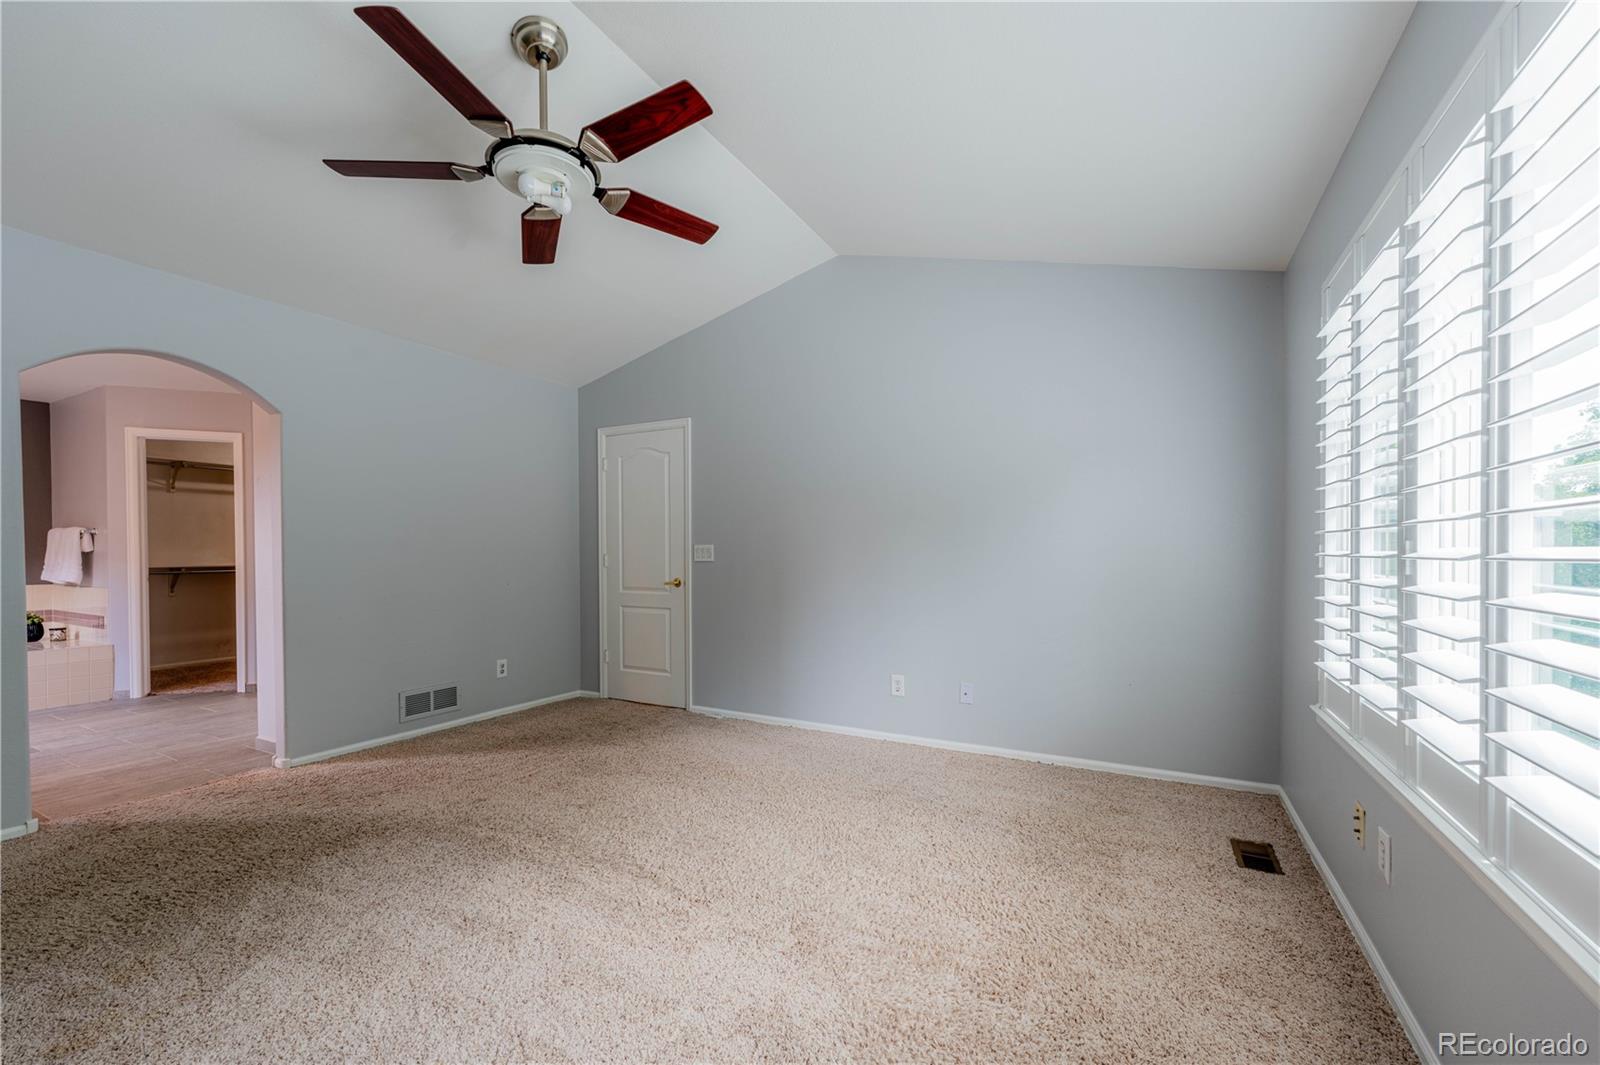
(94, 755)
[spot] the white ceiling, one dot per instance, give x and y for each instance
(65, 378)
(189, 137)
(1196, 135)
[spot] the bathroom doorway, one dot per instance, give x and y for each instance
(161, 664)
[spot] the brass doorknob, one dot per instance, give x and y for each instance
(676, 582)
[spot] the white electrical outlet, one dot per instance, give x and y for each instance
(966, 692)
(705, 552)
(897, 684)
(501, 667)
(1385, 857)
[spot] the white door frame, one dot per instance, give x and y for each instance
(138, 552)
(601, 436)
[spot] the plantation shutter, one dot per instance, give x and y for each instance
(1543, 710)
(1458, 579)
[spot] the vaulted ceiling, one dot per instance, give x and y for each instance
(188, 137)
(1150, 134)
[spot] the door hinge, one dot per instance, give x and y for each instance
(603, 461)
(605, 560)
(605, 655)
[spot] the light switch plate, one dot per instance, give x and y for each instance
(1385, 857)
(705, 552)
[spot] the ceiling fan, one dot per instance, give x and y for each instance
(540, 165)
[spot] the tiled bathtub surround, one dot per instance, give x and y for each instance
(79, 608)
(78, 669)
(75, 618)
(65, 674)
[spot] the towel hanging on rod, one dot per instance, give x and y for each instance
(63, 555)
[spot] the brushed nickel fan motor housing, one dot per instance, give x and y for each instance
(537, 37)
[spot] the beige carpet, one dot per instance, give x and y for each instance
(607, 882)
(205, 677)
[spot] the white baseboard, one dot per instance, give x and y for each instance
(1000, 752)
(29, 826)
(351, 748)
(1408, 1020)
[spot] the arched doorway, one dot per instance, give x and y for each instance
(174, 472)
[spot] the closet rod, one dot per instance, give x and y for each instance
(174, 572)
(228, 466)
(185, 464)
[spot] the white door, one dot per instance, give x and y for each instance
(644, 563)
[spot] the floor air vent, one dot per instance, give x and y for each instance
(425, 701)
(1258, 856)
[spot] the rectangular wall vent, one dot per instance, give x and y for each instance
(415, 704)
(424, 701)
(1258, 856)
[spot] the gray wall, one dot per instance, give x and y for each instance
(1460, 962)
(428, 521)
(1061, 483)
(35, 484)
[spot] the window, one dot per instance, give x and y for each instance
(1458, 583)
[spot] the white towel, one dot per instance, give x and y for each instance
(63, 555)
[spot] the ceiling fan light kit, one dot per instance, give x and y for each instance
(542, 167)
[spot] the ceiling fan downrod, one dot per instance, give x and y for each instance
(544, 93)
(541, 44)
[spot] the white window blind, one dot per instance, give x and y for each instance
(1458, 605)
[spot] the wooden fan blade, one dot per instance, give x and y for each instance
(647, 211)
(398, 33)
(404, 169)
(638, 126)
(541, 228)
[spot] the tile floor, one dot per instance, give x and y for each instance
(98, 754)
